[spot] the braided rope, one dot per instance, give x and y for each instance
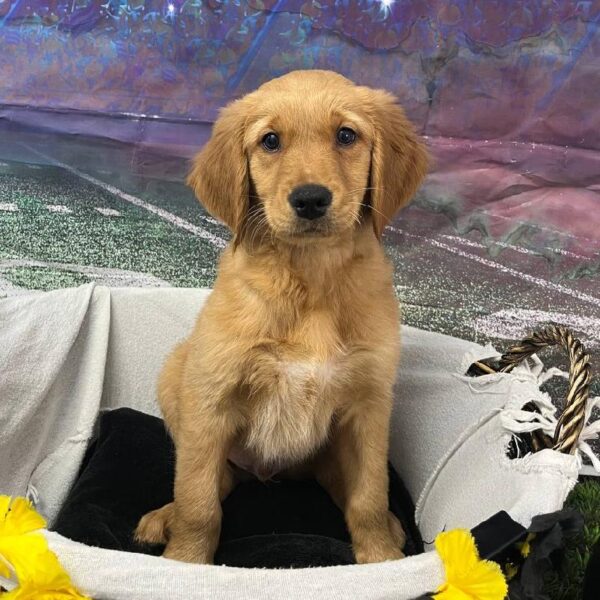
(572, 420)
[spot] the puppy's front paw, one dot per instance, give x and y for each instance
(187, 549)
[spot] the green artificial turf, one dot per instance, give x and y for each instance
(45, 279)
(567, 582)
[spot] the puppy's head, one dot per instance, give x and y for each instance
(308, 155)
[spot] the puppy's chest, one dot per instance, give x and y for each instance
(290, 417)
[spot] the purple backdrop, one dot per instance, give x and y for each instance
(506, 92)
(483, 70)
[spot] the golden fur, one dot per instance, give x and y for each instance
(293, 357)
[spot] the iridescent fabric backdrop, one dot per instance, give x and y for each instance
(503, 236)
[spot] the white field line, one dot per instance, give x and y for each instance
(200, 232)
(59, 208)
(101, 275)
(8, 207)
(494, 265)
(514, 323)
(108, 212)
(520, 249)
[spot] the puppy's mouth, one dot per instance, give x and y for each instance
(317, 228)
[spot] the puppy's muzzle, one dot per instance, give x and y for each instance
(310, 201)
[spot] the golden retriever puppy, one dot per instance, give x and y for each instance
(290, 366)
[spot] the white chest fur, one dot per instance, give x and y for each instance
(292, 418)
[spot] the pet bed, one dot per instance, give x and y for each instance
(129, 469)
(67, 355)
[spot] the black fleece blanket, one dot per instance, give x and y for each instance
(128, 470)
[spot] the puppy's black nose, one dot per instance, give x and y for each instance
(310, 201)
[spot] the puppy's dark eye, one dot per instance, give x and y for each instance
(346, 136)
(270, 142)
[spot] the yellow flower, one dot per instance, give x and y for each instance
(467, 576)
(18, 517)
(25, 555)
(525, 547)
(41, 577)
(17, 550)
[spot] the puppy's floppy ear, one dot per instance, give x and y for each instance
(399, 159)
(219, 174)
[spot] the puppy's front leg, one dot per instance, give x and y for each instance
(202, 446)
(354, 471)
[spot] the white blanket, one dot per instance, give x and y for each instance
(52, 356)
(67, 354)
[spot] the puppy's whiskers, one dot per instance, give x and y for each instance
(370, 207)
(361, 189)
(257, 224)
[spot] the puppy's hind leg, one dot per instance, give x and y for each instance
(169, 385)
(154, 526)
